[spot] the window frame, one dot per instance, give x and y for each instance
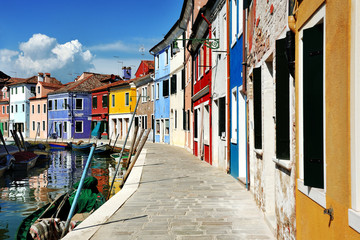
(82, 104)
(234, 113)
(82, 126)
(127, 99)
(316, 194)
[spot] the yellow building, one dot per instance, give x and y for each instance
(327, 116)
(122, 102)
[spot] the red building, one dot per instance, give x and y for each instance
(201, 55)
(145, 67)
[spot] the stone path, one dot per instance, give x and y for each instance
(181, 197)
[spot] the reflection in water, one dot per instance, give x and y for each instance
(22, 193)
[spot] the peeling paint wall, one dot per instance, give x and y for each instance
(272, 184)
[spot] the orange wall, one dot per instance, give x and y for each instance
(311, 222)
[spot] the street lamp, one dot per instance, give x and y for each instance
(213, 43)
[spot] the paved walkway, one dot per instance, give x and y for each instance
(181, 197)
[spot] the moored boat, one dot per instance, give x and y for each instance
(24, 161)
(5, 164)
(58, 145)
(102, 149)
(81, 146)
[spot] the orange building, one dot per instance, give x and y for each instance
(327, 118)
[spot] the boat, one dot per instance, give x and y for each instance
(6, 163)
(58, 145)
(49, 220)
(81, 146)
(102, 149)
(116, 156)
(24, 161)
(118, 149)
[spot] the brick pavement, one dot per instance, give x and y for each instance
(181, 197)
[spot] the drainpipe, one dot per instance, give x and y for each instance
(228, 155)
(291, 18)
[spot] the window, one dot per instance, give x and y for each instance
(44, 110)
(6, 126)
(222, 116)
(257, 108)
(157, 90)
(196, 111)
(167, 127)
(157, 126)
(65, 103)
(206, 122)
(65, 127)
(33, 125)
(184, 119)
(38, 88)
(127, 99)
(144, 94)
(152, 92)
(234, 115)
(94, 102)
(282, 102)
(311, 121)
(145, 122)
(55, 104)
(44, 127)
(16, 90)
(38, 108)
(113, 100)
(16, 108)
(23, 107)
(32, 108)
(79, 104)
(183, 79)
(166, 56)
(22, 89)
(50, 104)
(78, 126)
(12, 91)
(7, 109)
(105, 101)
(175, 119)
(166, 88)
(12, 108)
(157, 62)
(188, 120)
(33, 89)
(173, 83)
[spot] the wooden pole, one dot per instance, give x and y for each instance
(143, 141)
(22, 140)
(115, 141)
(137, 141)
(133, 140)
(15, 139)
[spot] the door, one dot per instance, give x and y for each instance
(242, 144)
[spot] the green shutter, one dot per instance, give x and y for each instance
(282, 102)
(257, 108)
(313, 106)
(222, 115)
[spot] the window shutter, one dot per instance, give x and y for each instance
(313, 106)
(257, 108)
(166, 88)
(173, 83)
(282, 102)
(183, 79)
(222, 116)
(184, 119)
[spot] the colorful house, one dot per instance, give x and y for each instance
(122, 102)
(327, 119)
(100, 113)
(4, 111)
(20, 91)
(69, 111)
(38, 106)
(202, 74)
(146, 88)
(162, 91)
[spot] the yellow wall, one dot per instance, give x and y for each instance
(119, 106)
(311, 222)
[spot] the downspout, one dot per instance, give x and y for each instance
(228, 86)
(244, 90)
(291, 18)
(210, 92)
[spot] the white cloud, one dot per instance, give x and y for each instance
(44, 54)
(115, 46)
(112, 66)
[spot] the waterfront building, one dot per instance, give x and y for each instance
(38, 108)
(271, 120)
(122, 102)
(145, 87)
(327, 119)
(69, 108)
(4, 111)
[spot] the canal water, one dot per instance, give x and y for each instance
(21, 193)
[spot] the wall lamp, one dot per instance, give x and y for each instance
(212, 43)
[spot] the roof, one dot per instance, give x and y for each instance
(51, 85)
(3, 76)
(38, 98)
(86, 84)
(143, 79)
(177, 29)
(115, 84)
(30, 80)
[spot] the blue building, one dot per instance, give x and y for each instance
(238, 123)
(69, 108)
(162, 91)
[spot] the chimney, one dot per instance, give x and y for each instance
(47, 77)
(127, 73)
(40, 77)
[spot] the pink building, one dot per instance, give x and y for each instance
(38, 106)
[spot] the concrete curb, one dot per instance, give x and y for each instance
(91, 224)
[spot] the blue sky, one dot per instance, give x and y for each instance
(68, 37)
